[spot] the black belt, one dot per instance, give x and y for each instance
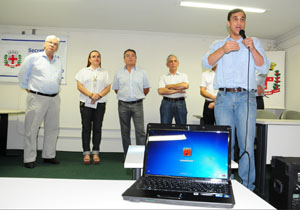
(174, 99)
(132, 102)
(207, 101)
(43, 94)
(233, 90)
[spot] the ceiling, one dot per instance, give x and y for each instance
(150, 15)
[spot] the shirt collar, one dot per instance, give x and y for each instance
(45, 56)
(134, 68)
(91, 69)
(177, 73)
(229, 38)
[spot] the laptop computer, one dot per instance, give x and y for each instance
(185, 165)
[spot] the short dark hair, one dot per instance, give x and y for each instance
(234, 11)
(129, 50)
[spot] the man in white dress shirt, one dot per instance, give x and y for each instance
(210, 94)
(172, 86)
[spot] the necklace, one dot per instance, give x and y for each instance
(95, 78)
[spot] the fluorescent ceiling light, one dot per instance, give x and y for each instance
(220, 6)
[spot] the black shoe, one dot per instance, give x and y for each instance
(29, 165)
(51, 160)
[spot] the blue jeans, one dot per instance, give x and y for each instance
(170, 109)
(231, 109)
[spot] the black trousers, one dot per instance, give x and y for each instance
(91, 120)
(208, 114)
(260, 102)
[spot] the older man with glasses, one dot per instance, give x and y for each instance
(40, 76)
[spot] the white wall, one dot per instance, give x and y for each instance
(293, 78)
(290, 42)
(152, 50)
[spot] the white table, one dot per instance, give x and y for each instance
(275, 137)
(135, 160)
(3, 127)
(33, 193)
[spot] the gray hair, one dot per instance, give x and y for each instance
(171, 55)
(52, 37)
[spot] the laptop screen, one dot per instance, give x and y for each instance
(188, 153)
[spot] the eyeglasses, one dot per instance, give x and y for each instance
(53, 43)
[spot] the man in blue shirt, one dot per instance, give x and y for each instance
(40, 76)
(235, 79)
(131, 85)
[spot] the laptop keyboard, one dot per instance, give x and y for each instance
(179, 185)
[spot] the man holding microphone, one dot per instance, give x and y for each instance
(238, 58)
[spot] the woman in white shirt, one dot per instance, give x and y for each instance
(94, 84)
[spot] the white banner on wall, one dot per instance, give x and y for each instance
(14, 49)
(275, 81)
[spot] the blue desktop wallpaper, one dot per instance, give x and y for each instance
(201, 155)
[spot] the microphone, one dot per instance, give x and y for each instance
(242, 33)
